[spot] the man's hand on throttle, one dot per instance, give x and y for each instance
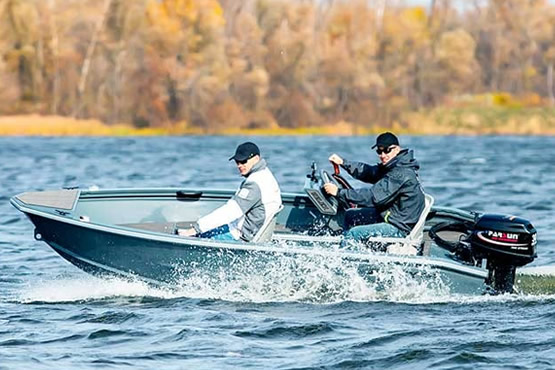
(334, 158)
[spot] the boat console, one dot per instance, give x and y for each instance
(313, 187)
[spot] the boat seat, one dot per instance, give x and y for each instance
(267, 229)
(410, 245)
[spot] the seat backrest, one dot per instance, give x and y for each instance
(267, 229)
(417, 233)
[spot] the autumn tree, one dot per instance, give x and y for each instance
(23, 48)
(218, 64)
(350, 82)
(455, 56)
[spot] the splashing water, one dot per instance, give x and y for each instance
(310, 279)
(314, 278)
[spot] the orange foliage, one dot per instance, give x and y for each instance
(261, 63)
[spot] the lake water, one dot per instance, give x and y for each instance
(54, 315)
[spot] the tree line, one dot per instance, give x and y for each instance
(269, 63)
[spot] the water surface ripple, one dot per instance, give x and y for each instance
(53, 315)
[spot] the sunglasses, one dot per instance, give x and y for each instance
(246, 160)
(385, 150)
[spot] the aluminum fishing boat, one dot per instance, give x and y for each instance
(131, 233)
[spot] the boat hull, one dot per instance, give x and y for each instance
(168, 260)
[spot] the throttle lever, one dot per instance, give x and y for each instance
(335, 168)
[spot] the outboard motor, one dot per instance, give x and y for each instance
(497, 242)
(506, 242)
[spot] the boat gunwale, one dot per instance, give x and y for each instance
(124, 193)
(165, 192)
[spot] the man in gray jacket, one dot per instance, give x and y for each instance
(393, 205)
(255, 202)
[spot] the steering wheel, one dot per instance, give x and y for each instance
(325, 178)
(341, 183)
(339, 180)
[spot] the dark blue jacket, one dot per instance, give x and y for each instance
(396, 194)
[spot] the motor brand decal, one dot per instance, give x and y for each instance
(500, 238)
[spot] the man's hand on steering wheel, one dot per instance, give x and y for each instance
(331, 189)
(337, 181)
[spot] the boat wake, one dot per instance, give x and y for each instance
(86, 288)
(309, 279)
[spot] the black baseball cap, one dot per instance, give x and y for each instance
(386, 140)
(245, 151)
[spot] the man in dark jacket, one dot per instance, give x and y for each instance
(393, 205)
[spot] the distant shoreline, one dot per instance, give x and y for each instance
(441, 121)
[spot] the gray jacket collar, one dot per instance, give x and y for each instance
(259, 166)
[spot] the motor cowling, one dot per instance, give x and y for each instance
(506, 242)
